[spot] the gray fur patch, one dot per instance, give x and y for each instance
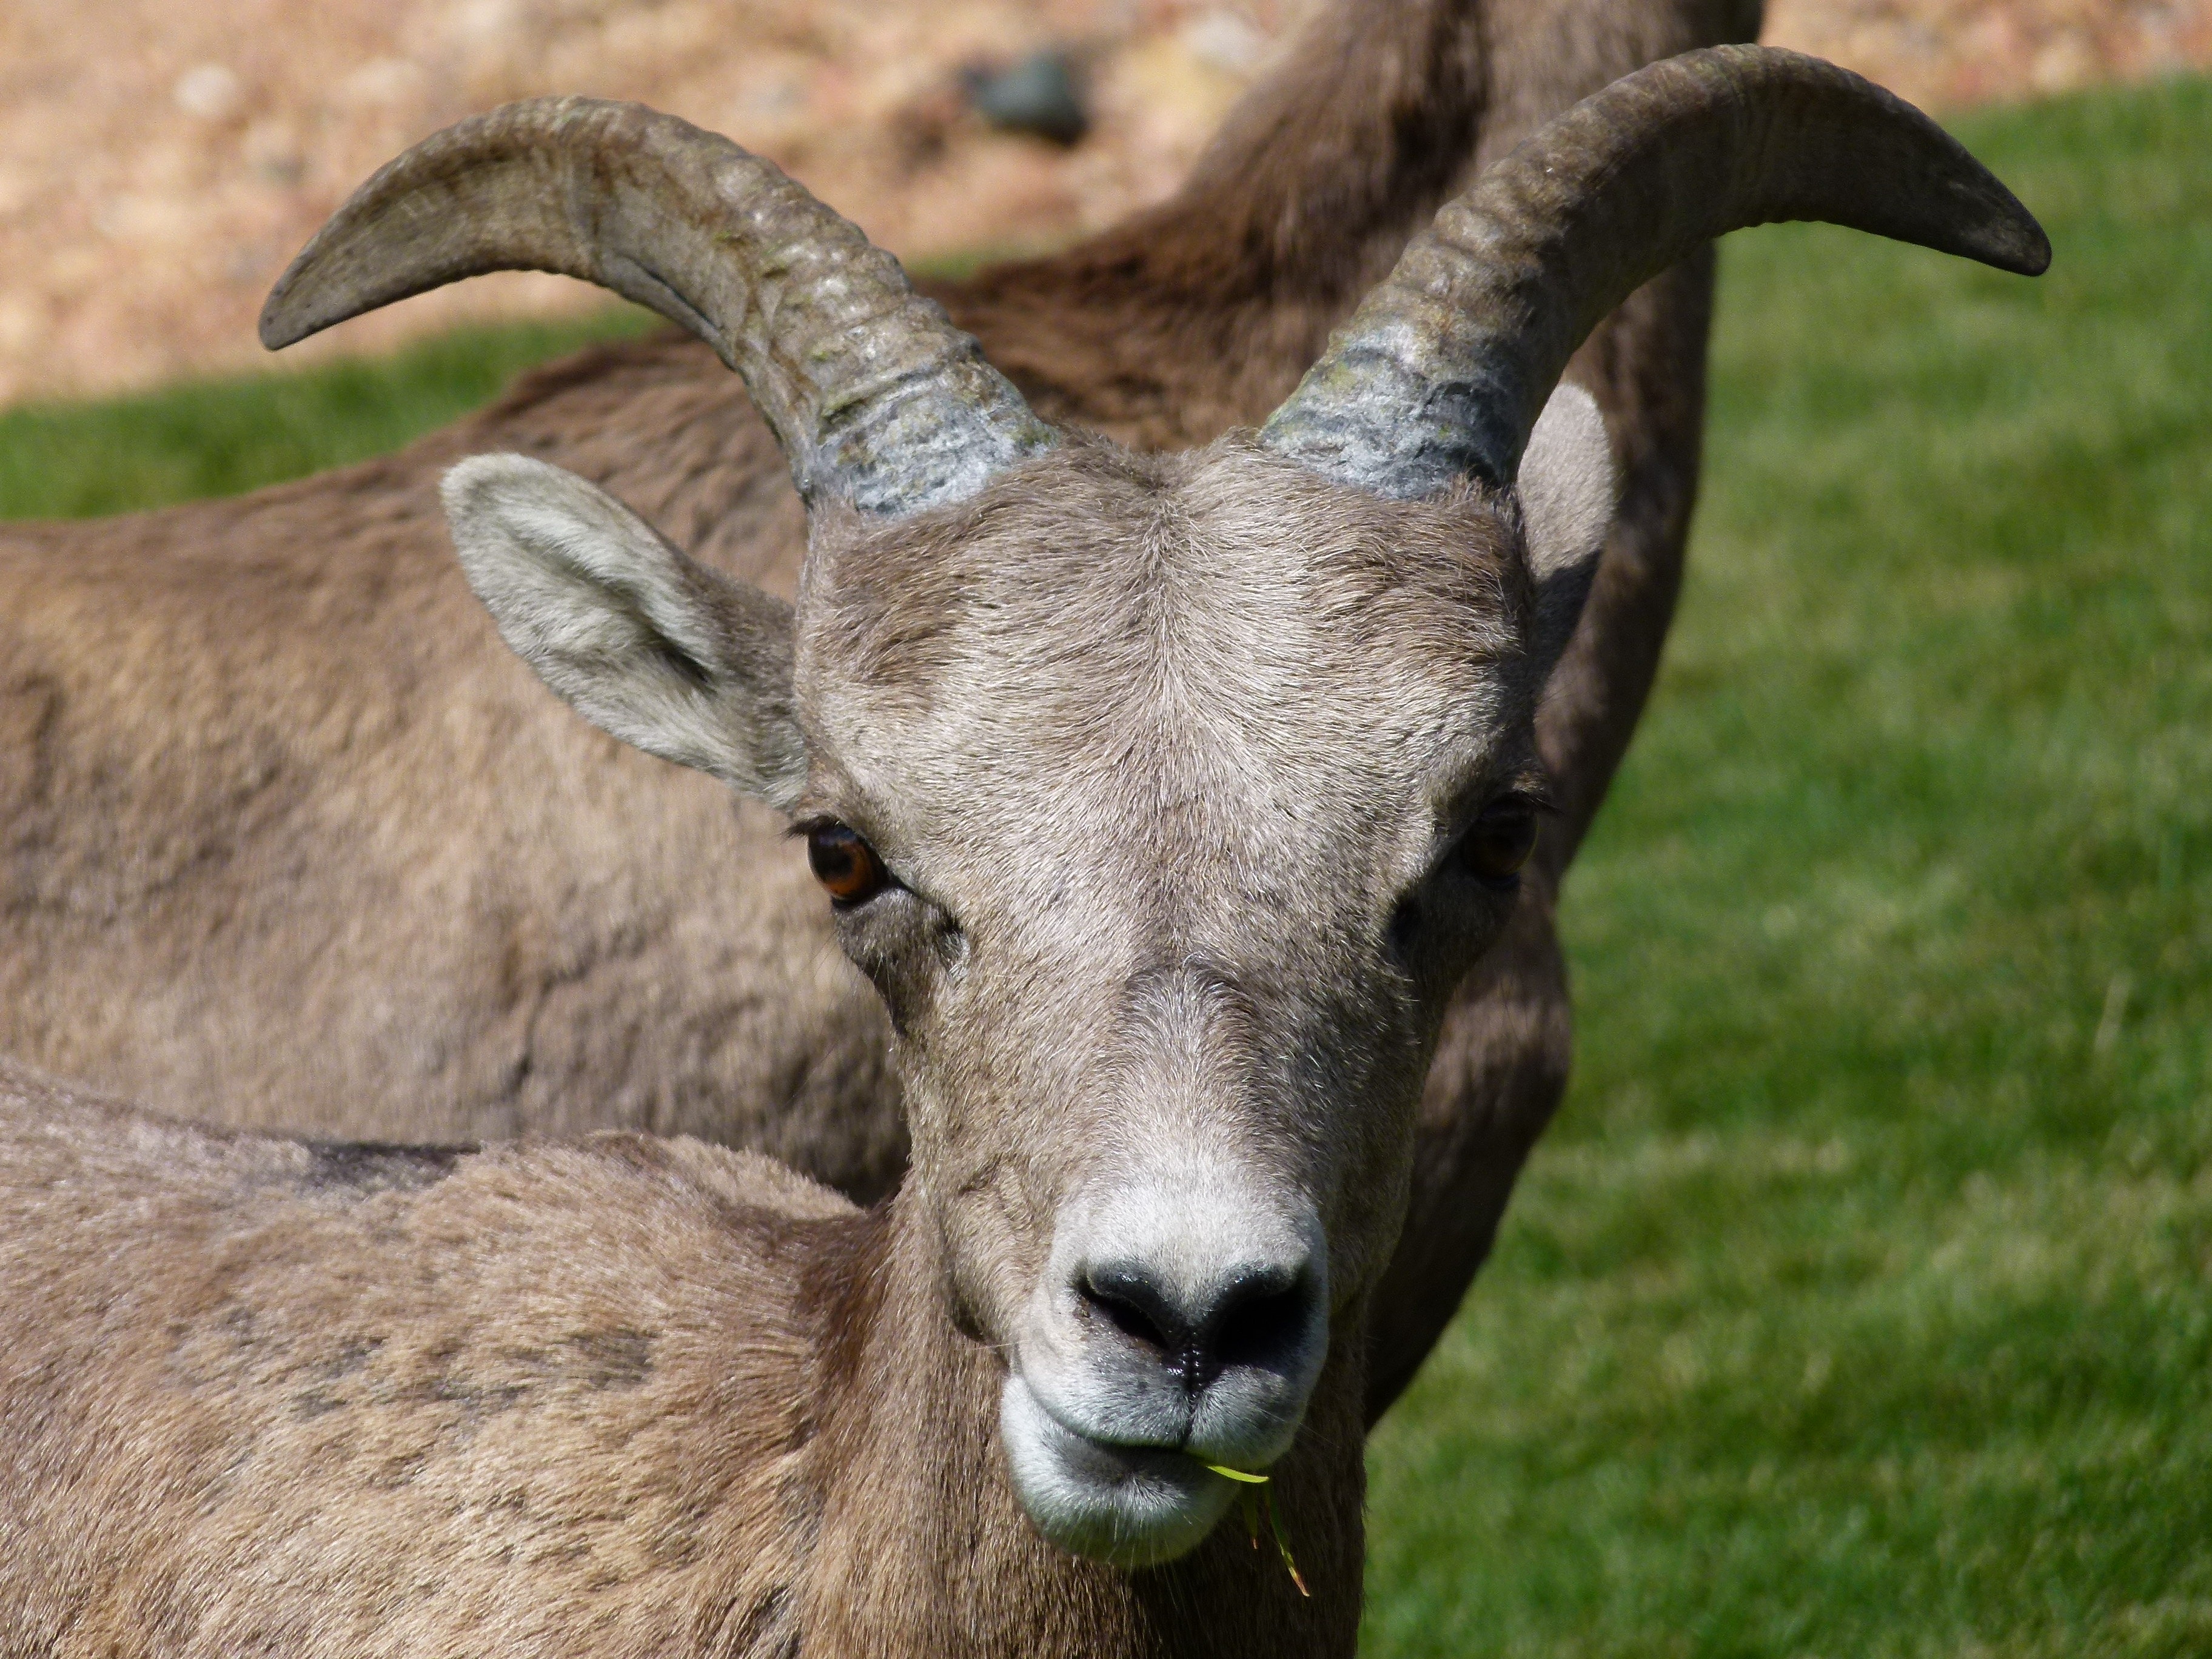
(366, 1167)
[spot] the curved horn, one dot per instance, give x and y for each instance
(1444, 368)
(872, 392)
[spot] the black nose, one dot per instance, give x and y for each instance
(1256, 1315)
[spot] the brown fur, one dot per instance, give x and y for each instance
(286, 837)
(634, 1395)
(624, 1397)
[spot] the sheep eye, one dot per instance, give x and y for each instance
(846, 866)
(1499, 842)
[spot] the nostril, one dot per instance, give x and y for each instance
(1132, 1301)
(1255, 1315)
(1260, 1323)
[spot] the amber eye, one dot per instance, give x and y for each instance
(1499, 842)
(844, 864)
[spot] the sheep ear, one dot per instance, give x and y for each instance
(1566, 489)
(643, 641)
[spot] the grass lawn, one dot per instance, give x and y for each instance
(1860, 1301)
(224, 437)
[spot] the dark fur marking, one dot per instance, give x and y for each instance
(370, 1166)
(619, 1359)
(319, 1399)
(839, 1290)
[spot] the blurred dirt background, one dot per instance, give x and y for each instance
(160, 162)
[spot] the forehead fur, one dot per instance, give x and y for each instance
(1120, 560)
(1221, 625)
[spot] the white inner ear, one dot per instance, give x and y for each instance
(621, 624)
(1566, 484)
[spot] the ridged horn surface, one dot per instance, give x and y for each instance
(872, 392)
(1443, 370)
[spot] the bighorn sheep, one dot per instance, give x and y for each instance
(1164, 800)
(361, 878)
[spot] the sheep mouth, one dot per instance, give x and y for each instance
(1131, 1505)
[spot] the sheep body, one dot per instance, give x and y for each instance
(617, 1396)
(1167, 802)
(288, 840)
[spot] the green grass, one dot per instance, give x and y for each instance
(1860, 1301)
(221, 437)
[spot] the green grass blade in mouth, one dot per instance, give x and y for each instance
(1228, 1474)
(1259, 1494)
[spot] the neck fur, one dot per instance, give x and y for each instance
(920, 1548)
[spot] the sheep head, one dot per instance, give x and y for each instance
(1163, 798)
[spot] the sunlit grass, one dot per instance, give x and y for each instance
(220, 437)
(1861, 1300)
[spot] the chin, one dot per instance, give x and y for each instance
(1135, 1506)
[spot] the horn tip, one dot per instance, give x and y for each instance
(2032, 257)
(2014, 242)
(278, 331)
(285, 320)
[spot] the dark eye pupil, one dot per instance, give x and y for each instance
(844, 863)
(1499, 843)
